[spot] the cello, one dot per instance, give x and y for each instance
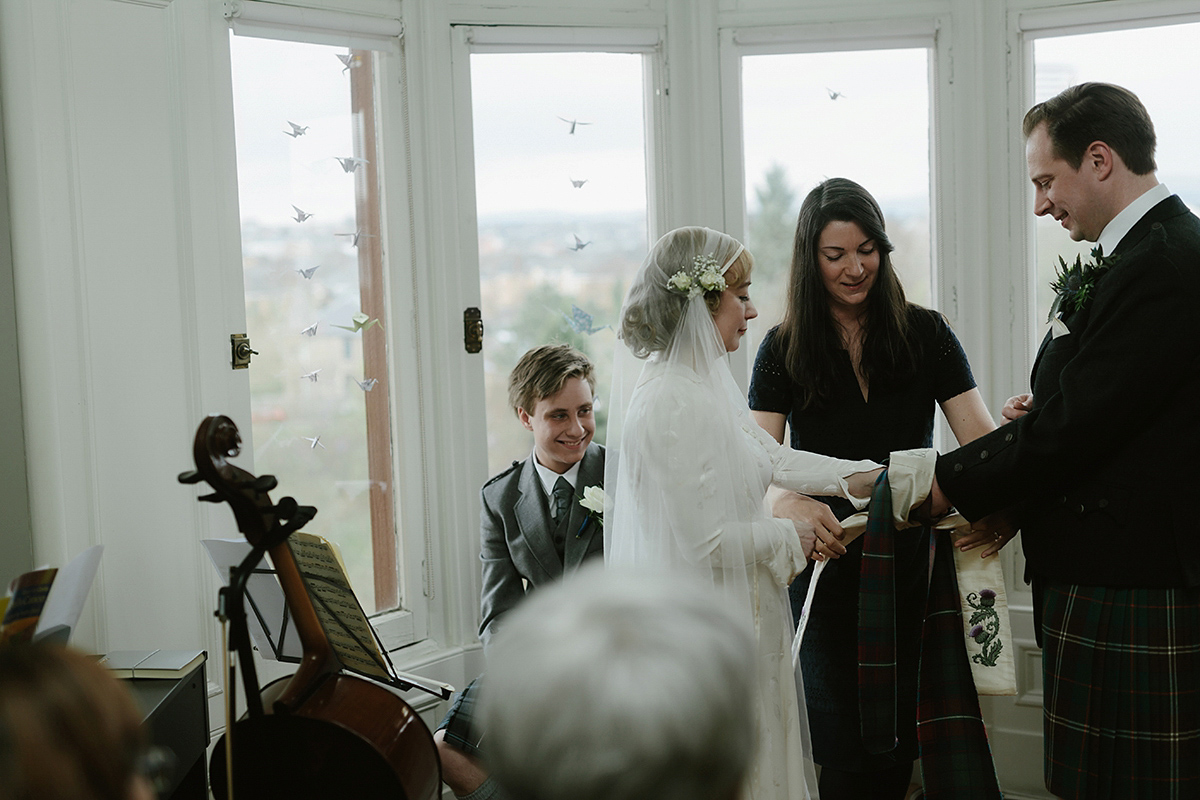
(320, 733)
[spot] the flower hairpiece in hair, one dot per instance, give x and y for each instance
(703, 275)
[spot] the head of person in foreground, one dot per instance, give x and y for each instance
(622, 685)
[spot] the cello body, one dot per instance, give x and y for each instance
(351, 737)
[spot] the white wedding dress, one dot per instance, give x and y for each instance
(689, 482)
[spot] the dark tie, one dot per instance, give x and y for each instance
(562, 512)
(562, 499)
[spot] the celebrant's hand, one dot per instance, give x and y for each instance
(1016, 407)
(992, 532)
(818, 528)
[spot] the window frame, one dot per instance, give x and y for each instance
(409, 511)
(1026, 26)
(737, 42)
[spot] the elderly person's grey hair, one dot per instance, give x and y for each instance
(622, 685)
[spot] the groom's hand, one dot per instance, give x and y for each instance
(1016, 407)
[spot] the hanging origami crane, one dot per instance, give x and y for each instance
(311, 330)
(581, 321)
(350, 163)
(359, 322)
(308, 273)
(297, 130)
(579, 243)
(573, 123)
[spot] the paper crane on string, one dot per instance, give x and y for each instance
(314, 442)
(312, 376)
(308, 273)
(577, 184)
(368, 384)
(297, 130)
(832, 94)
(354, 237)
(311, 330)
(573, 123)
(581, 321)
(301, 214)
(579, 243)
(350, 163)
(359, 322)
(349, 60)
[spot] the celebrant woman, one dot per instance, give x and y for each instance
(856, 371)
(692, 469)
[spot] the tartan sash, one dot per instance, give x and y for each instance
(877, 625)
(956, 761)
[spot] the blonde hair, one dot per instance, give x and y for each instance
(543, 371)
(652, 312)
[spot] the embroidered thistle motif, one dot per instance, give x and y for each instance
(985, 628)
(1073, 285)
(704, 275)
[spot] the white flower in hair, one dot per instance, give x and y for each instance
(680, 282)
(703, 275)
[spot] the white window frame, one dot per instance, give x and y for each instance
(737, 42)
(409, 624)
(1025, 26)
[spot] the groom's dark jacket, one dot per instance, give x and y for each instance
(517, 535)
(1101, 472)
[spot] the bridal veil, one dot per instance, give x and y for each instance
(687, 472)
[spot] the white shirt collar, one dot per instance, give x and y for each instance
(1122, 223)
(549, 477)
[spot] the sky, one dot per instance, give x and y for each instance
(876, 130)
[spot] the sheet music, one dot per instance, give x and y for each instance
(337, 608)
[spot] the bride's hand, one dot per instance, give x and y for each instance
(816, 525)
(861, 484)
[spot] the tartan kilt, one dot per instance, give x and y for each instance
(1121, 670)
(462, 729)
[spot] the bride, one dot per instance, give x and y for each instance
(691, 471)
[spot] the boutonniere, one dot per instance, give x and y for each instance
(593, 501)
(1073, 285)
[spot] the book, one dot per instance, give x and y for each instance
(28, 593)
(152, 663)
(47, 602)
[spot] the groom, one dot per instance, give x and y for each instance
(533, 528)
(1094, 465)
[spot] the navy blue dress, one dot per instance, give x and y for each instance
(898, 416)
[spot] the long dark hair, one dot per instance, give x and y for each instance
(809, 335)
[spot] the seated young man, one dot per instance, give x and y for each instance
(533, 529)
